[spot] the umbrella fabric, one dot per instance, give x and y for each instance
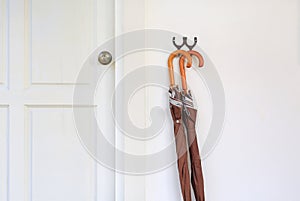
(189, 117)
(181, 143)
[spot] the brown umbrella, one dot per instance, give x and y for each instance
(179, 132)
(189, 115)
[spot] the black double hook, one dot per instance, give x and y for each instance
(184, 42)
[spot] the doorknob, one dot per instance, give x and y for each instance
(105, 57)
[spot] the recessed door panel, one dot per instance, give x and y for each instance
(61, 34)
(59, 167)
(4, 152)
(3, 41)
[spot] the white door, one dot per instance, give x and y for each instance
(43, 46)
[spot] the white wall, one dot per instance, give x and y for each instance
(255, 48)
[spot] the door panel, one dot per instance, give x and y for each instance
(3, 42)
(57, 160)
(60, 36)
(4, 152)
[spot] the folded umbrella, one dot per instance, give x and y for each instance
(179, 132)
(189, 114)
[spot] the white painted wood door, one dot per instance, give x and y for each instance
(43, 46)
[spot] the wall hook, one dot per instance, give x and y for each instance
(191, 46)
(178, 46)
(185, 42)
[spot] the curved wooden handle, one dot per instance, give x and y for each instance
(182, 68)
(183, 75)
(170, 63)
(199, 56)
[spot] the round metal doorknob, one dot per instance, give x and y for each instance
(104, 57)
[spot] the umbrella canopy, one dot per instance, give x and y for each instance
(189, 114)
(181, 144)
(179, 131)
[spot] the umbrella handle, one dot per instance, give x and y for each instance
(199, 57)
(183, 75)
(170, 63)
(182, 68)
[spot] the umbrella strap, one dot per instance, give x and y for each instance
(186, 111)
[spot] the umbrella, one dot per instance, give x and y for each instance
(189, 114)
(179, 132)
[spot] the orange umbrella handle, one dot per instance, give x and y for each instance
(182, 68)
(199, 57)
(183, 75)
(170, 63)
